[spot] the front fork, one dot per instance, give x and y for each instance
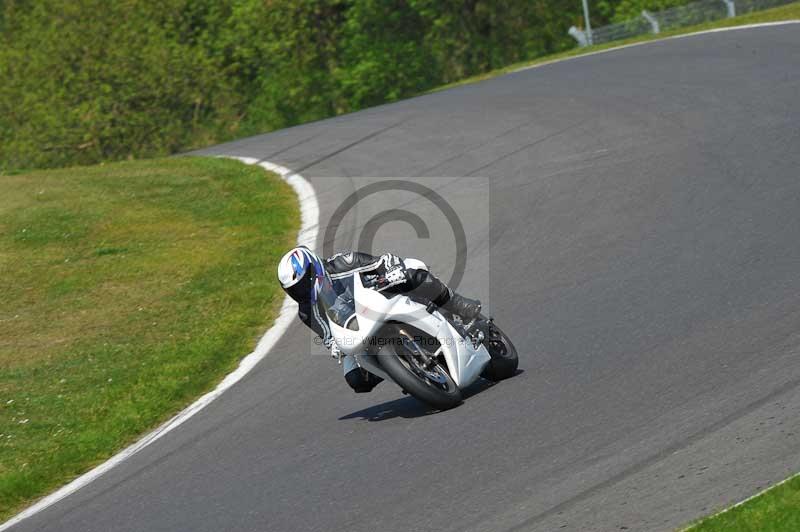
(428, 361)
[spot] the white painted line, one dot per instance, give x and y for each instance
(309, 222)
(653, 41)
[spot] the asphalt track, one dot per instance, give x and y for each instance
(643, 251)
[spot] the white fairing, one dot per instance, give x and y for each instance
(373, 310)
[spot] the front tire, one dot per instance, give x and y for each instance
(432, 386)
(504, 362)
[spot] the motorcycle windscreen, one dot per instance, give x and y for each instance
(336, 298)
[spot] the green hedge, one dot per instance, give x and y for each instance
(92, 80)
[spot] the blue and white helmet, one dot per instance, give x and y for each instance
(300, 273)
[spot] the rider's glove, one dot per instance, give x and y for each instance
(393, 276)
(336, 352)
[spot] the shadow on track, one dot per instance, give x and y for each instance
(408, 407)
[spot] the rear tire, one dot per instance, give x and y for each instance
(434, 386)
(504, 360)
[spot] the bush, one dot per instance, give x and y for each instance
(91, 80)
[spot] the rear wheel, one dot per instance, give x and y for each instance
(419, 373)
(504, 360)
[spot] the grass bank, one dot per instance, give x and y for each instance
(776, 510)
(128, 289)
(777, 14)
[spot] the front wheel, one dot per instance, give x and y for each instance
(504, 360)
(419, 374)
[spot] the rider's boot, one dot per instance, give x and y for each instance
(359, 379)
(467, 309)
(427, 286)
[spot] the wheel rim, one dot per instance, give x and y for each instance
(496, 343)
(497, 348)
(436, 376)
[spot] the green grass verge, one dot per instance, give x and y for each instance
(786, 12)
(776, 510)
(128, 289)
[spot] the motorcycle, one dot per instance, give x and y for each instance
(430, 353)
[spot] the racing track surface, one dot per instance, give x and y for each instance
(644, 254)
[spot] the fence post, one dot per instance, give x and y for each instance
(731, 8)
(588, 31)
(652, 20)
(579, 36)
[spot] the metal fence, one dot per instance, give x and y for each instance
(669, 19)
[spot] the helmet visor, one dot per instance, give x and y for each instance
(302, 290)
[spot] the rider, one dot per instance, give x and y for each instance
(301, 270)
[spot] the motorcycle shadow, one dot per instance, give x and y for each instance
(409, 407)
